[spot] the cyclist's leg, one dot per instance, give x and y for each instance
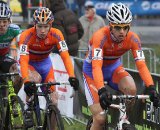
(45, 69)
(28, 113)
(93, 103)
(50, 78)
(47, 73)
(125, 84)
(124, 80)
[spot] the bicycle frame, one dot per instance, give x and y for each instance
(122, 108)
(12, 94)
(49, 103)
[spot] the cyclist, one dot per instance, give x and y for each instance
(36, 44)
(103, 63)
(8, 32)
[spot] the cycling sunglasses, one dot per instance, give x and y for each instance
(120, 26)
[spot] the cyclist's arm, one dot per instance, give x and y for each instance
(140, 62)
(24, 59)
(63, 49)
(97, 61)
(14, 48)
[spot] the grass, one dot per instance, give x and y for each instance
(75, 126)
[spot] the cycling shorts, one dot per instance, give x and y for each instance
(45, 69)
(112, 74)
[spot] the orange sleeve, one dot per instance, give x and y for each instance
(144, 73)
(24, 57)
(13, 44)
(63, 49)
(140, 60)
(67, 63)
(97, 59)
(97, 73)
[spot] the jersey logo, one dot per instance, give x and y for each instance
(23, 50)
(63, 46)
(4, 45)
(97, 54)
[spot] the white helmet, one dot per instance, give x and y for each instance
(5, 11)
(119, 14)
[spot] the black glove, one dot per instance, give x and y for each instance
(104, 98)
(30, 88)
(154, 97)
(74, 83)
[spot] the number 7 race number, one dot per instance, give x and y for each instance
(140, 55)
(97, 54)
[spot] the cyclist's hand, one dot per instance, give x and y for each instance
(74, 83)
(104, 98)
(154, 97)
(30, 88)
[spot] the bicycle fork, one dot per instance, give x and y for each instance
(38, 113)
(123, 115)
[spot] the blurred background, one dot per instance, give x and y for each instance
(146, 19)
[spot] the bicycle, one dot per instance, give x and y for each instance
(51, 112)
(10, 105)
(123, 122)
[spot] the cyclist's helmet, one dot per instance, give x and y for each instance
(5, 11)
(43, 16)
(119, 14)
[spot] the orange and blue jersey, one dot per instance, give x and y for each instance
(35, 52)
(104, 56)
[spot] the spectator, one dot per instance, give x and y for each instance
(24, 9)
(8, 33)
(80, 4)
(68, 23)
(91, 22)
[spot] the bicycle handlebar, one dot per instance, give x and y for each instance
(56, 83)
(52, 83)
(9, 74)
(114, 97)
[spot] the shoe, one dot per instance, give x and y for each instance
(28, 118)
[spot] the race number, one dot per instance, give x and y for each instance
(97, 54)
(63, 46)
(23, 50)
(140, 55)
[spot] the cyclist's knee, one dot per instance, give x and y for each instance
(35, 76)
(17, 80)
(54, 96)
(133, 90)
(99, 119)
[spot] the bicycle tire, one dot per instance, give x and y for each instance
(2, 114)
(128, 127)
(54, 115)
(90, 121)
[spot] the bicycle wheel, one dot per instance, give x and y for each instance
(90, 121)
(128, 127)
(53, 119)
(3, 104)
(2, 114)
